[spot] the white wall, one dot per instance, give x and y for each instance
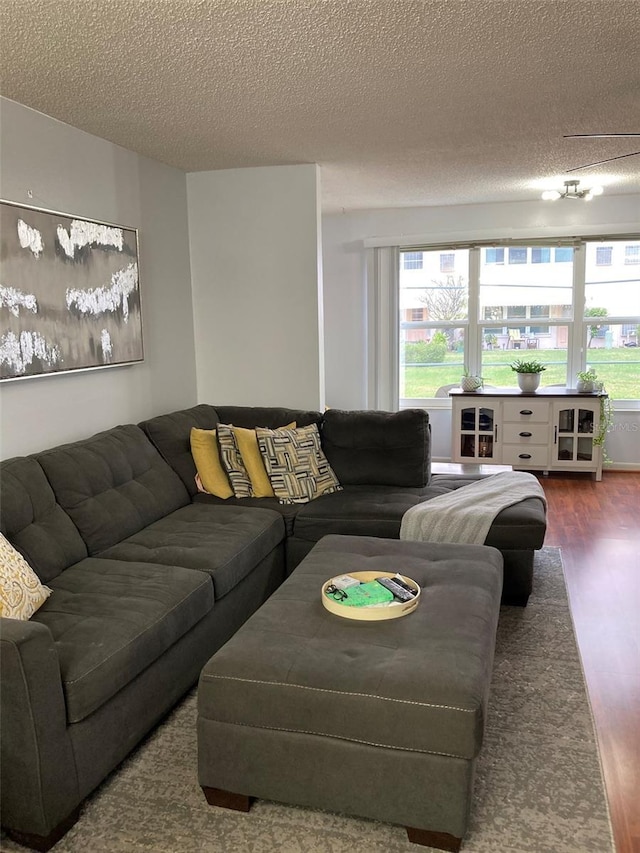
(73, 172)
(257, 298)
(345, 260)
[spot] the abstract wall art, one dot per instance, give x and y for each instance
(69, 293)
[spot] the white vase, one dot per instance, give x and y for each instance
(528, 381)
(584, 386)
(470, 383)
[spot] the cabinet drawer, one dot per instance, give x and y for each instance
(513, 455)
(525, 410)
(523, 434)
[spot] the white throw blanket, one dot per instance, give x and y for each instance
(466, 514)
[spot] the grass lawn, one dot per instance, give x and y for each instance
(618, 368)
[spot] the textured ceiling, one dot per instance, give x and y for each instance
(402, 103)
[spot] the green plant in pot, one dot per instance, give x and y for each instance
(586, 381)
(470, 382)
(528, 374)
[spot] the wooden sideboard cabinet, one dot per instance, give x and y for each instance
(551, 429)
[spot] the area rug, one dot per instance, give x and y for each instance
(538, 787)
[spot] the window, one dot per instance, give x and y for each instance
(604, 255)
(632, 254)
(431, 350)
(563, 255)
(540, 256)
(447, 262)
(494, 256)
(569, 325)
(518, 255)
(412, 260)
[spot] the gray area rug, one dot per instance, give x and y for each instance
(538, 786)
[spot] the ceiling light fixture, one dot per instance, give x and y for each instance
(571, 191)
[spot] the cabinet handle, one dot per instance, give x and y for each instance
(555, 435)
(524, 456)
(525, 434)
(526, 412)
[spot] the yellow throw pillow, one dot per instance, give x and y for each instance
(204, 449)
(21, 592)
(248, 446)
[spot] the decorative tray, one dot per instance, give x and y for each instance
(393, 610)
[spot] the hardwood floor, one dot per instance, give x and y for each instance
(597, 526)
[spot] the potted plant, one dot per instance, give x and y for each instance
(470, 382)
(528, 373)
(586, 381)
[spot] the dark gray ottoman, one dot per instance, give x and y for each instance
(378, 719)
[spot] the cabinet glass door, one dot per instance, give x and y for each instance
(574, 434)
(477, 424)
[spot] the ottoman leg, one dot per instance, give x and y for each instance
(227, 799)
(439, 840)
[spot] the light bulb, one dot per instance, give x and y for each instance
(597, 190)
(551, 195)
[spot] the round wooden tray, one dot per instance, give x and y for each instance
(371, 614)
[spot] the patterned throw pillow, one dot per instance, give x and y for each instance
(21, 592)
(232, 461)
(297, 468)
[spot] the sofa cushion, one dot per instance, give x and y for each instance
(358, 511)
(112, 484)
(378, 448)
(34, 522)
(110, 620)
(206, 456)
(298, 469)
(287, 511)
(170, 435)
(21, 592)
(225, 541)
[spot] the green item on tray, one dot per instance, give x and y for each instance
(366, 595)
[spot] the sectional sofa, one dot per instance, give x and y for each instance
(150, 577)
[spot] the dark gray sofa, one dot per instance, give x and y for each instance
(383, 462)
(150, 578)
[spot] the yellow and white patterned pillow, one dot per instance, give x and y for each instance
(21, 592)
(297, 468)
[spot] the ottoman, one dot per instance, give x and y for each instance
(382, 720)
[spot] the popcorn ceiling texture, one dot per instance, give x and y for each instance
(401, 102)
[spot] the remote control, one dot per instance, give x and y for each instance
(403, 584)
(398, 592)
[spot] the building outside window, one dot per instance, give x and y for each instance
(412, 260)
(518, 255)
(604, 256)
(632, 254)
(447, 262)
(494, 256)
(540, 255)
(563, 255)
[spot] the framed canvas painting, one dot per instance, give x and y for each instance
(69, 293)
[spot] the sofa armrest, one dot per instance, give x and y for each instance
(38, 773)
